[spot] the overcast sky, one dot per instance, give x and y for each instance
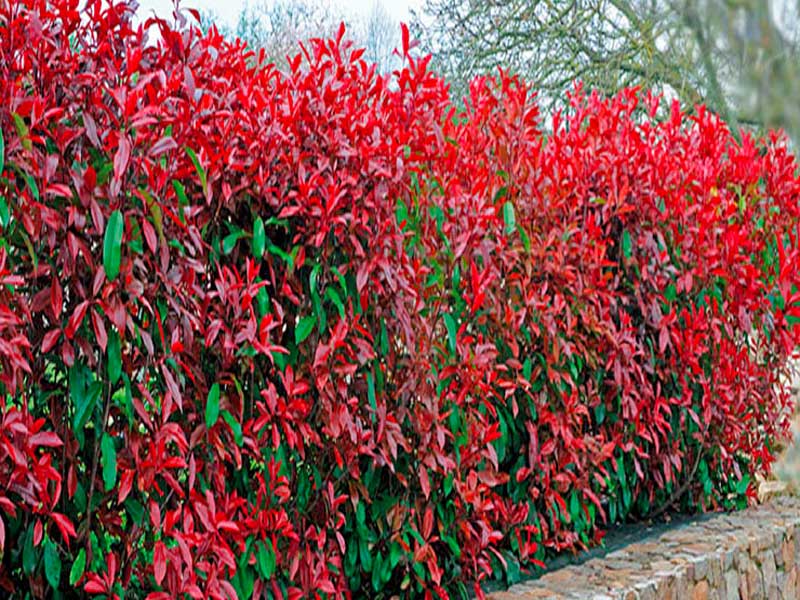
(229, 10)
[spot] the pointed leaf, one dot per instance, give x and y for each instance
(112, 245)
(304, 328)
(452, 331)
(212, 406)
(52, 564)
(109, 458)
(235, 426)
(259, 238)
(201, 172)
(114, 357)
(78, 567)
(627, 246)
(509, 218)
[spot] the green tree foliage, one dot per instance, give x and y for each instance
(740, 57)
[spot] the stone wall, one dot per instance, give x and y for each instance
(749, 555)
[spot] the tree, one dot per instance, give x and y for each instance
(276, 26)
(740, 57)
(380, 37)
(279, 26)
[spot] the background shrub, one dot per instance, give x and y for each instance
(319, 332)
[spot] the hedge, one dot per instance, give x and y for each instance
(328, 333)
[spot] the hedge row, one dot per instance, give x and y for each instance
(323, 333)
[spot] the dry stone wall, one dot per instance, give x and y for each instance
(749, 555)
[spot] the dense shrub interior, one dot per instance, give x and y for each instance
(322, 332)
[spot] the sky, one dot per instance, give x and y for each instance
(228, 10)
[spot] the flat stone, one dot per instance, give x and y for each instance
(700, 565)
(790, 589)
(787, 553)
(748, 555)
(700, 591)
(736, 586)
(769, 576)
(755, 584)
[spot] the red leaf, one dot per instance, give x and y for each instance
(37, 532)
(76, 319)
(99, 329)
(155, 514)
(91, 129)
(159, 562)
(95, 585)
(122, 156)
(165, 144)
(45, 438)
(64, 526)
(56, 298)
(50, 339)
(424, 481)
(72, 482)
(427, 524)
(125, 485)
(111, 569)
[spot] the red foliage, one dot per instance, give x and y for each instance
(322, 333)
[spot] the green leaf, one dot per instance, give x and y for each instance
(304, 328)
(364, 554)
(201, 172)
(78, 567)
(600, 413)
(114, 357)
(235, 426)
(395, 554)
(526, 240)
(438, 216)
(621, 471)
(5, 213)
(371, 394)
(574, 507)
(112, 244)
(212, 406)
(83, 394)
(180, 191)
(313, 278)
(259, 238)
(22, 132)
(627, 246)
(229, 243)
(29, 557)
(741, 485)
(32, 185)
(266, 559)
(401, 212)
(513, 573)
(377, 565)
(452, 331)
(262, 297)
(52, 564)
(108, 454)
(334, 297)
(509, 218)
(448, 484)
